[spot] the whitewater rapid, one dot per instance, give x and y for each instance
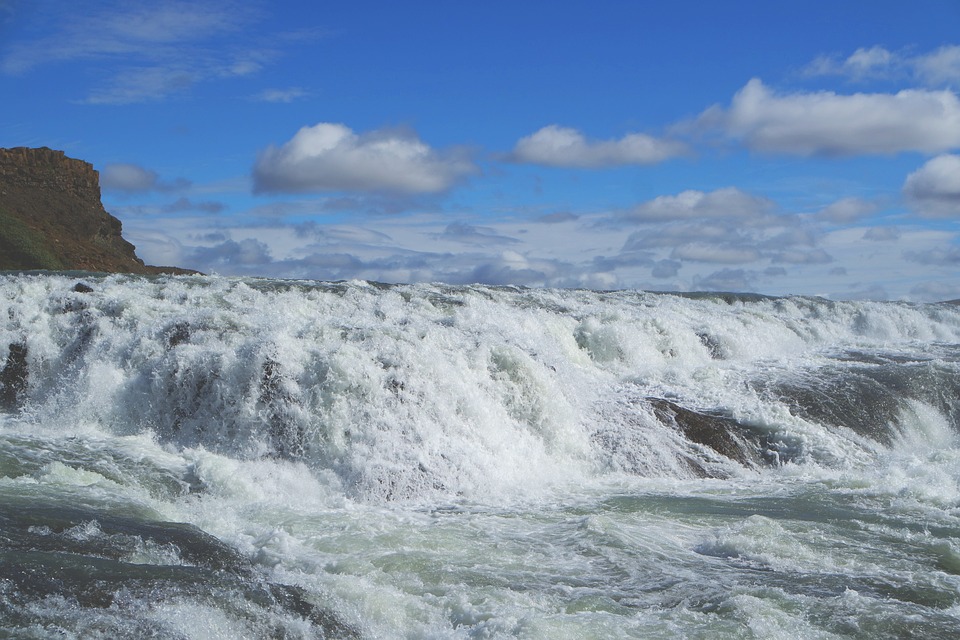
(427, 461)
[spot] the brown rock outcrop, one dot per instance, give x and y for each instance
(51, 217)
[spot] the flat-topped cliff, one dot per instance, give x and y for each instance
(51, 217)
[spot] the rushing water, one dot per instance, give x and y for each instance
(218, 458)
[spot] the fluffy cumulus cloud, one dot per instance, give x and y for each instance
(829, 124)
(331, 157)
(556, 146)
(934, 188)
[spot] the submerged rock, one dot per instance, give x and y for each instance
(870, 400)
(13, 377)
(280, 402)
(94, 560)
(722, 434)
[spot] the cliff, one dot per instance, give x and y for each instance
(51, 217)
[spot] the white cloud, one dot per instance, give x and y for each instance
(881, 234)
(676, 234)
(713, 253)
(280, 95)
(726, 280)
(940, 256)
(331, 157)
(937, 68)
(940, 67)
(666, 269)
(868, 61)
(862, 64)
(847, 210)
(141, 51)
(557, 146)
(131, 178)
(798, 256)
(150, 29)
(729, 203)
(936, 291)
(474, 235)
(825, 123)
(934, 188)
(417, 247)
(127, 177)
(142, 85)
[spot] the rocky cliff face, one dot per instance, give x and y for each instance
(51, 217)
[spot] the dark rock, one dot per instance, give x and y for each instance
(717, 352)
(869, 400)
(13, 377)
(82, 288)
(179, 333)
(287, 434)
(43, 556)
(723, 434)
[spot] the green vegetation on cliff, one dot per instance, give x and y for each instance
(22, 247)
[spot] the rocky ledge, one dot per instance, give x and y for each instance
(51, 217)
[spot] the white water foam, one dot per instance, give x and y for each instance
(482, 462)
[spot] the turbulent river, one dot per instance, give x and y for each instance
(206, 457)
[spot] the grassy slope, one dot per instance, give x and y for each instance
(23, 248)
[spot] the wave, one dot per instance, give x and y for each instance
(410, 391)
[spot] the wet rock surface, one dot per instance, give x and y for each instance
(97, 560)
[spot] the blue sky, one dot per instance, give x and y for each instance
(779, 147)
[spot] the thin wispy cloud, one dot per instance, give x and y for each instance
(936, 68)
(281, 95)
(847, 210)
(474, 235)
(704, 252)
(729, 203)
(132, 178)
(881, 234)
(143, 51)
(945, 256)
